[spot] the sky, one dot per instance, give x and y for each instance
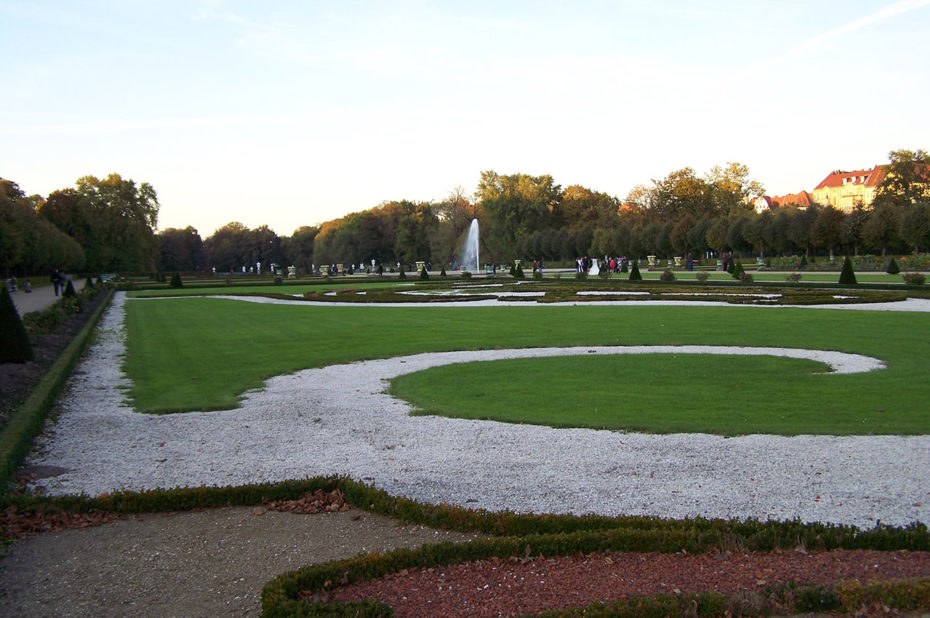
(295, 112)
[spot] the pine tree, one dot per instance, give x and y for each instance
(634, 272)
(737, 269)
(847, 276)
(14, 341)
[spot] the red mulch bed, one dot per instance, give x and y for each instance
(516, 586)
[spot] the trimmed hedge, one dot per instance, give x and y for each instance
(15, 346)
(26, 422)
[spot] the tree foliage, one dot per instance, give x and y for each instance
(29, 243)
(112, 219)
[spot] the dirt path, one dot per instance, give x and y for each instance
(207, 563)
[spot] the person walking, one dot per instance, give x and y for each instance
(57, 280)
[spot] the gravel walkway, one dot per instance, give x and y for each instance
(337, 420)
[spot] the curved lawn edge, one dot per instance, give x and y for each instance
(839, 362)
(26, 421)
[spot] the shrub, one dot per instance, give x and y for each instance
(537, 275)
(604, 273)
(442, 273)
(402, 274)
(793, 277)
(581, 275)
(176, 280)
(424, 276)
(737, 270)
(518, 273)
(15, 346)
(746, 277)
(89, 282)
(624, 268)
(702, 276)
(228, 281)
(914, 278)
(69, 290)
(667, 275)
(803, 262)
(892, 268)
(847, 276)
(465, 274)
(278, 281)
(634, 272)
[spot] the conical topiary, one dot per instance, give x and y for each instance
(803, 263)
(624, 268)
(847, 276)
(176, 280)
(442, 273)
(634, 272)
(14, 341)
(402, 274)
(69, 290)
(737, 270)
(893, 268)
(424, 276)
(89, 282)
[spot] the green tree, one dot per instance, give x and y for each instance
(298, 247)
(880, 230)
(907, 178)
(914, 227)
(180, 250)
(827, 228)
(515, 206)
(112, 219)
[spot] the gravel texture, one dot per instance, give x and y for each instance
(338, 420)
(206, 563)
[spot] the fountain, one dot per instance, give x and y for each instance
(469, 256)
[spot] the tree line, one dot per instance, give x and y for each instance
(109, 224)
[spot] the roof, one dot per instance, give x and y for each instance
(802, 199)
(868, 178)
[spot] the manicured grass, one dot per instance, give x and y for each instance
(189, 354)
(289, 288)
(808, 276)
(721, 394)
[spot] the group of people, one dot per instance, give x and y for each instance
(12, 285)
(615, 264)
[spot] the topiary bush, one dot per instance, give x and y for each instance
(442, 273)
(803, 262)
(893, 268)
(15, 346)
(702, 276)
(581, 275)
(634, 272)
(402, 274)
(624, 268)
(69, 290)
(914, 278)
(847, 276)
(667, 275)
(465, 274)
(176, 280)
(737, 271)
(518, 273)
(537, 276)
(424, 276)
(745, 277)
(793, 277)
(278, 281)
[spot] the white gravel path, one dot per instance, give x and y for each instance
(337, 420)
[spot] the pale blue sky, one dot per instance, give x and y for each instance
(294, 113)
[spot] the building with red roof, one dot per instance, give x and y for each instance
(843, 190)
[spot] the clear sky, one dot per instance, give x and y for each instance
(291, 113)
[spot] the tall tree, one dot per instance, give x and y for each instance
(514, 206)
(112, 218)
(180, 250)
(907, 178)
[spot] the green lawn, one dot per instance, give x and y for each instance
(201, 353)
(221, 289)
